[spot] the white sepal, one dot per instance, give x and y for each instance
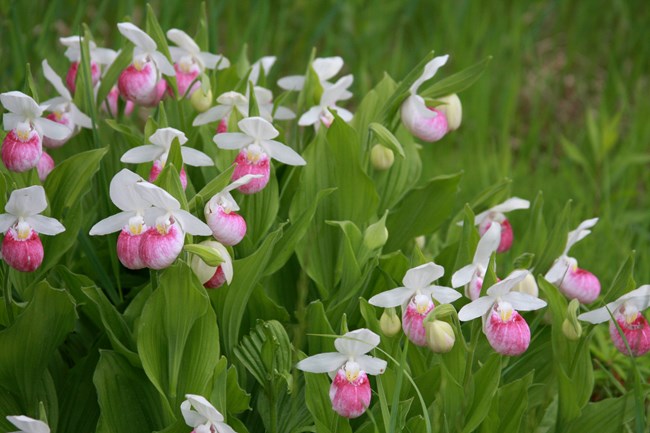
(45, 225)
(282, 153)
(322, 363)
(357, 342)
(26, 202)
(140, 154)
(139, 38)
(476, 308)
(392, 298)
(640, 298)
(513, 203)
(56, 81)
(430, 70)
(232, 140)
(51, 129)
(423, 275)
(28, 425)
(111, 224)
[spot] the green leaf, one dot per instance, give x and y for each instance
(387, 138)
(486, 381)
(209, 255)
(513, 401)
(260, 209)
(320, 406)
(156, 32)
(121, 62)
(457, 82)
(318, 324)
(213, 187)
(606, 415)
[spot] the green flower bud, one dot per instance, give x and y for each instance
(382, 157)
(389, 322)
(571, 327)
(376, 234)
(201, 101)
(453, 109)
(440, 336)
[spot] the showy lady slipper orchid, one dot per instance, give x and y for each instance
(141, 81)
(506, 331)
(496, 213)
(190, 61)
(199, 414)
(416, 299)
(350, 391)
(628, 313)
(21, 247)
(228, 227)
(321, 113)
(264, 64)
(213, 277)
(568, 277)
(167, 222)
(130, 222)
(26, 424)
(471, 276)
(427, 124)
(158, 150)
(264, 98)
(98, 56)
(258, 147)
(324, 67)
(23, 145)
(63, 109)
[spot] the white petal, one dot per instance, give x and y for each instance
(6, 221)
(222, 427)
(343, 113)
(151, 215)
(504, 286)
(579, 233)
(370, 364)
(488, 244)
(430, 70)
(475, 308)
(392, 298)
(463, 275)
(212, 60)
(322, 363)
(232, 99)
(258, 128)
(137, 36)
(639, 297)
(45, 225)
(282, 153)
(182, 39)
(513, 203)
(176, 53)
(212, 115)
(192, 417)
(191, 224)
(414, 111)
(327, 67)
(263, 95)
(232, 140)
(265, 63)
(79, 118)
(55, 104)
(283, 113)
(140, 154)
(52, 129)
(357, 342)
(27, 201)
(226, 266)
(56, 81)
(204, 407)
(163, 64)
(334, 92)
(195, 158)
(443, 294)
(29, 425)
(71, 41)
(423, 275)
(112, 224)
(164, 137)
(103, 56)
(239, 182)
(122, 190)
(599, 315)
(21, 104)
(558, 270)
(523, 301)
(11, 120)
(292, 82)
(157, 196)
(311, 117)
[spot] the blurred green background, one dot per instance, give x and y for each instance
(563, 107)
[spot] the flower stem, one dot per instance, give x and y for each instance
(7, 288)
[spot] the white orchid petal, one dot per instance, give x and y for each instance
(122, 190)
(414, 111)
(79, 118)
(463, 275)
(579, 233)
(239, 182)
(488, 244)
(176, 53)
(357, 342)
(212, 115)
(476, 308)
(523, 301)
(504, 286)
(11, 120)
(283, 153)
(599, 315)
(263, 95)
(327, 67)
(21, 104)
(392, 298)
(164, 137)
(54, 104)
(52, 129)
(311, 117)
(46, 225)
(639, 297)
(140, 154)
(56, 81)
(28, 201)
(71, 41)
(265, 64)
(513, 203)
(192, 418)
(343, 113)
(258, 128)
(423, 275)
(222, 427)
(103, 56)
(191, 224)
(558, 270)
(212, 60)
(204, 407)
(182, 39)
(139, 38)
(226, 265)
(322, 363)
(371, 365)
(151, 214)
(196, 158)
(112, 224)
(232, 140)
(333, 93)
(28, 425)
(430, 70)
(163, 64)
(443, 294)
(6, 221)
(157, 196)
(232, 99)
(292, 82)
(283, 113)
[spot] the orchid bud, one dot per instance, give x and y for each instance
(528, 285)
(376, 234)
(382, 157)
(421, 242)
(201, 101)
(440, 336)
(389, 322)
(452, 108)
(571, 328)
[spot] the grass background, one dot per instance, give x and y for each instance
(563, 107)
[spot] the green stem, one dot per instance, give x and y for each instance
(383, 404)
(8, 295)
(470, 352)
(398, 387)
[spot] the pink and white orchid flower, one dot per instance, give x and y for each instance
(350, 391)
(568, 277)
(325, 68)
(258, 147)
(628, 313)
(506, 331)
(64, 111)
(427, 124)
(321, 113)
(21, 247)
(130, 222)
(228, 227)
(26, 424)
(23, 145)
(416, 299)
(471, 276)
(190, 61)
(167, 222)
(141, 81)
(213, 277)
(158, 150)
(98, 56)
(496, 213)
(199, 414)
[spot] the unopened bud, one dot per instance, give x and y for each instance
(389, 322)
(201, 100)
(528, 286)
(421, 241)
(571, 328)
(453, 109)
(440, 336)
(382, 157)
(376, 234)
